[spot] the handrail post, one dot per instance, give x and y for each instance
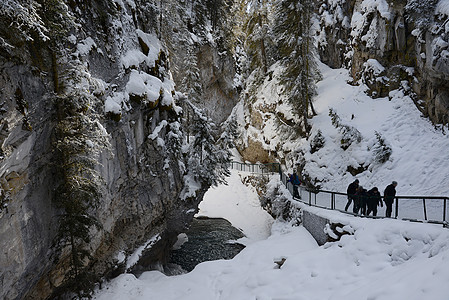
(397, 208)
(444, 210)
(424, 205)
(332, 200)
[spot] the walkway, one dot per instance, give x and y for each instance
(430, 209)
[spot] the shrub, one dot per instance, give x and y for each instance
(349, 134)
(317, 142)
(381, 150)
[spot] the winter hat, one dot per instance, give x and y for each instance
(394, 183)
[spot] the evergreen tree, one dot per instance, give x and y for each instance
(207, 161)
(229, 133)
(381, 150)
(256, 28)
(191, 85)
(292, 31)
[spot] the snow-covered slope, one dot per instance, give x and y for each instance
(418, 161)
(419, 151)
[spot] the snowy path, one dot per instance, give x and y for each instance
(240, 205)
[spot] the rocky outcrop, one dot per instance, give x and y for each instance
(397, 45)
(88, 50)
(216, 74)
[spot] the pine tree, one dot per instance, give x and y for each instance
(256, 28)
(191, 85)
(381, 150)
(208, 162)
(292, 31)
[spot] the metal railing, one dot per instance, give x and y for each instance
(430, 209)
(268, 168)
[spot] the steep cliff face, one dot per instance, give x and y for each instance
(401, 44)
(112, 75)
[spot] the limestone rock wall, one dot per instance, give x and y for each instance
(103, 44)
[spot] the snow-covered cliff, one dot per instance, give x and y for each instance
(90, 144)
(391, 45)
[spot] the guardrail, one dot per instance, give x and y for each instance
(430, 209)
(260, 168)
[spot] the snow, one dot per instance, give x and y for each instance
(133, 58)
(374, 65)
(235, 202)
(154, 44)
(442, 7)
(380, 5)
(144, 85)
(134, 258)
(383, 260)
(158, 129)
(114, 103)
(416, 163)
(85, 46)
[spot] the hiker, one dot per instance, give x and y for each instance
(374, 200)
(361, 199)
(352, 189)
(294, 179)
(389, 194)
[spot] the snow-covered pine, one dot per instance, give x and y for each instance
(293, 35)
(257, 30)
(317, 142)
(208, 162)
(381, 150)
(349, 134)
(191, 84)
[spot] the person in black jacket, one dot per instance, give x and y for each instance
(374, 200)
(352, 189)
(389, 194)
(361, 200)
(294, 179)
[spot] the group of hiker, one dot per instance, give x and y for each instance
(367, 201)
(364, 202)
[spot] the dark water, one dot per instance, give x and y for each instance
(208, 240)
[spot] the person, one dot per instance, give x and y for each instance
(294, 179)
(352, 189)
(374, 200)
(360, 201)
(389, 194)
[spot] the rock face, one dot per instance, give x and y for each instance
(217, 75)
(105, 43)
(397, 45)
(217, 72)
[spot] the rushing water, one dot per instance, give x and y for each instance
(208, 239)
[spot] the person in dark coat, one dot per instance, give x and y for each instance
(294, 179)
(389, 194)
(352, 189)
(361, 199)
(374, 200)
